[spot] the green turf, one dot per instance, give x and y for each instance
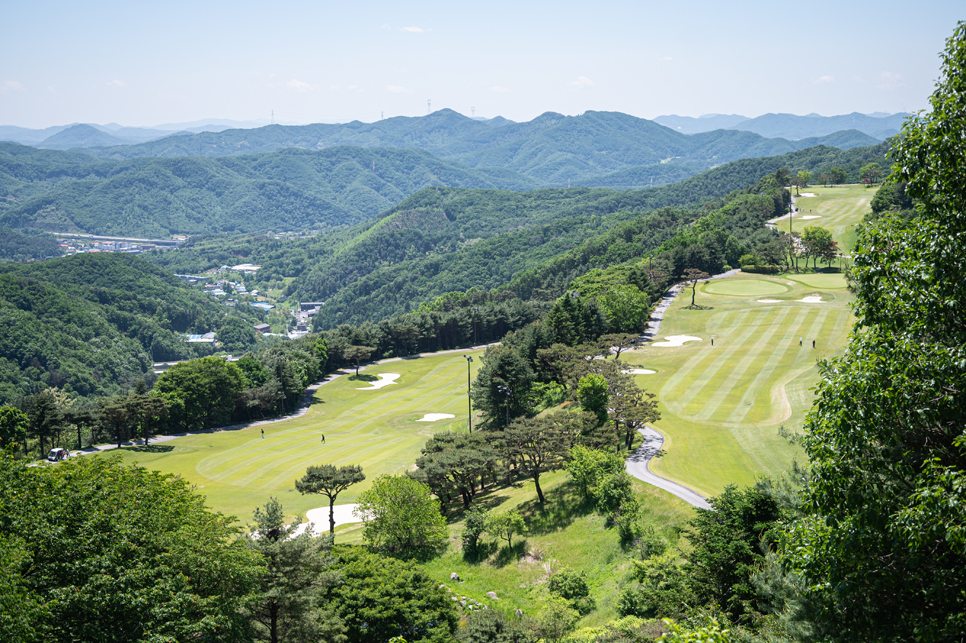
(238, 470)
(820, 280)
(722, 405)
(744, 287)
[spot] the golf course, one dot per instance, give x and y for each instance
(378, 428)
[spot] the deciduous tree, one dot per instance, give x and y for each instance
(401, 517)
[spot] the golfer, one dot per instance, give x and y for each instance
(813, 343)
(323, 439)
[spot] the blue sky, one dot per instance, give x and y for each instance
(145, 63)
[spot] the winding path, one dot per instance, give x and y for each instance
(638, 465)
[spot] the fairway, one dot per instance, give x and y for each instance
(822, 281)
(840, 209)
(380, 429)
(744, 287)
(722, 405)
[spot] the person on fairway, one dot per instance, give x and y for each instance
(323, 439)
(800, 340)
(813, 343)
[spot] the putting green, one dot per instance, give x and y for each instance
(822, 280)
(745, 287)
(722, 405)
(239, 470)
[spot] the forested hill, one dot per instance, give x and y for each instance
(289, 190)
(91, 324)
(552, 148)
(448, 239)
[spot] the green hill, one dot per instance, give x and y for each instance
(288, 190)
(81, 135)
(92, 324)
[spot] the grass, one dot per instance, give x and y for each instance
(722, 405)
(239, 470)
(841, 209)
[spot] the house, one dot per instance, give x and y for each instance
(263, 328)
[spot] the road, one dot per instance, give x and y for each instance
(638, 466)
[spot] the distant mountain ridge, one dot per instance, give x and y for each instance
(553, 149)
(790, 126)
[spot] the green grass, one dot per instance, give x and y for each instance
(821, 280)
(745, 287)
(722, 405)
(238, 470)
(841, 209)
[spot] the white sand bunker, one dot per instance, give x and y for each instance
(677, 340)
(769, 301)
(639, 371)
(813, 299)
(385, 379)
(432, 417)
(811, 216)
(807, 194)
(319, 518)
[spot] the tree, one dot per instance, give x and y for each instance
(838, 174)
(871, 172)
(329, 480)
(629, 407)
(539, 445)
(492, 626)
(358, 354)
(881, 546)
(382, 598)
(506, 525)
(555, 620)
(297, 573)
(475, 527)
(592, 395)
(824, 178)
(588, 467)
(818, 245)
(142, 558)
(693, 275)
(43, 411)
(502, 385)
(401, 517)
(617, 343)
(456, 461)
(804, 178)
(13, 426)
(208, 386)
(626, 308)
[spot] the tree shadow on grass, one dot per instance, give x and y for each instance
(152, 448)
(363, 377)
(697, 307)
(506, 555)
(564, 505)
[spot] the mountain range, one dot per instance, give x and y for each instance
(878, 125)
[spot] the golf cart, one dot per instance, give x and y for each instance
(58, 454)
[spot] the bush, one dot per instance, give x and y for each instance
(572, 586)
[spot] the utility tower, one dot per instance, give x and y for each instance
(429, 105)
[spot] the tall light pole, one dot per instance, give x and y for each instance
(469, 400)
(506, 390)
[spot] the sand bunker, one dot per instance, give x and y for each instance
(385, 379)
(807, 194)
(813, 299)
(639, 371)
(319, 518)
(811, 216)
(769, 301)
(677, 340)
(432, 417)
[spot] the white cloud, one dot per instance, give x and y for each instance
(117, 83)
(824, 80)
(385, 27)
(582, 82)
(499, 90)
(12, 86)
(353, 88)
(888, 80)
(665, 58)
(414, 29)
(396, 89)
(299, 86)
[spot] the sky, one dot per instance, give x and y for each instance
(146, 63)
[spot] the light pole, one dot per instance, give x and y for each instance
(650, 272)
(506, 390)
(469, 400)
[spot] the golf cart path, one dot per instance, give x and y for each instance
(638, 465)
